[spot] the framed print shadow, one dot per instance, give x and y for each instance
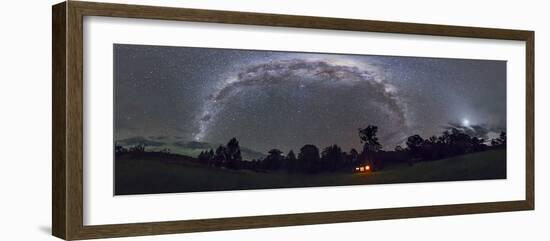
(345, 120)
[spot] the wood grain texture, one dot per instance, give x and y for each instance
(74, 121)
(263, 19)
(59, 192)
(67, 180)
(155, 228)
(530, 120)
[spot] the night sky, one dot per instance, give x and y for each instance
(285, 100)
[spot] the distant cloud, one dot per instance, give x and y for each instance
(158, 137)
(192, 144)
(139, 140)
(479, 131)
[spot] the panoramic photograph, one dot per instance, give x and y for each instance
(190, 119)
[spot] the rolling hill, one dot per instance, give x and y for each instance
(178, 145)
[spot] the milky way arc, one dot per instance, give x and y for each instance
(280, 72)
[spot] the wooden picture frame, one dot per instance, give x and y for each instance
(67, 152)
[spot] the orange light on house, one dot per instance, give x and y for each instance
(365, 168)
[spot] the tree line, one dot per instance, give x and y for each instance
(311, 159)
(450, 143)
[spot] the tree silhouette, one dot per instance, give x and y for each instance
(398, 148)
(139, 148)
(220, 156)
(291, 163)
(370, 144)
(502, 138)
(309, 158)
(332, 158)
(460, 142)
(451, 142)
(414, 144)
(432, 140)
(119, 149)
(274, 160)
(368, 139)
(206, 157)
(477, 144)
(291, 156)
(500, 141)
(430, 148)
(202, 156)
(353, 156)
(211, 155)
(445, 138)
(233, 154)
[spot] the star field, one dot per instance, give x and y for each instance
(285, 100)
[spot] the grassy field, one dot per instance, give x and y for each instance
(154, 176)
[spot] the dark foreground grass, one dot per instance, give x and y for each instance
(159, 176)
